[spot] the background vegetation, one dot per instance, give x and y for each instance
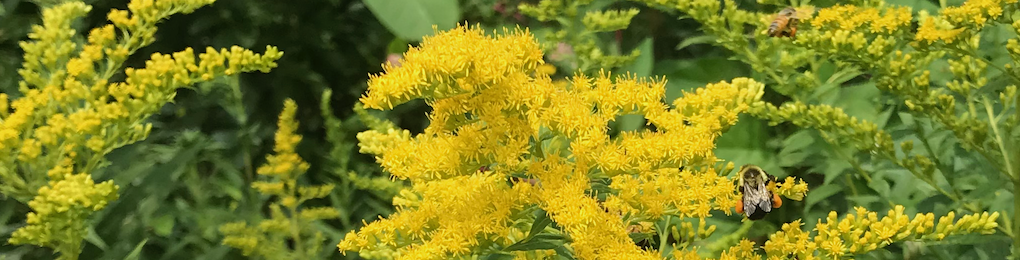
(193, 173)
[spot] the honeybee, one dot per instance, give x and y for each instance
(785, 23)
(756, 200)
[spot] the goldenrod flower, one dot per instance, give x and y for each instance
(934, 29)
(495, 111)
(975, 12)
(863, 232)
(289, 220)
(71, 115)
(792, 188)
(456, 62)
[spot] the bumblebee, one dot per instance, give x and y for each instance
(756, 200)
(785, 23)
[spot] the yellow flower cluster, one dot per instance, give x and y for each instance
(936, 28)
(744, 249)
(607, 21)
(864, 231)
(952, 21)
(976, 12)
(494, 112)
(1013, 45)
(463, 61)
(445, 217)
(68, 196)
(376, 142)
(681, 192)
(849, 30)
(70, 114)
(71, 107)
(851, 17)
(288, 220)
(792, 188)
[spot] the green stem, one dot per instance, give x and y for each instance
(664, 233)
(295, 221)
(242, 120)
(998, 140)
(295, 232)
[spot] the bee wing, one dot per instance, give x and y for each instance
(756, 197)
(766, 203)
(805, 12)
(749, 207)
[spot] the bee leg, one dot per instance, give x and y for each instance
(776, 201)
(793, 32)
(740, 206)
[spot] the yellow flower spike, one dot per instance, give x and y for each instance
(289, 218)
(837, 238)
(72, 109)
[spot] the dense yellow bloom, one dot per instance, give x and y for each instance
(445, 217)
(863, 231)
(68, 196)
(850, 17)
(495, 113)
(684, 193)
(975, 12)
(952, 21)
(934, 29)
(460, 61)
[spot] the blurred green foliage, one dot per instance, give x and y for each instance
(194, 172)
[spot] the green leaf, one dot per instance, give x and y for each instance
(834, 167)
(499, 256)
(972, 239)
(859, 101)
(564, 253)
(630, 122)
(541, 241)
(917, 5)
(134, 255)
(412, 19)
(643, 64)
(866, 200)
(534, 244)
(163, 225)
(687, 75)
(819, 194)
(745, 143)
(542, 220)
(701, 39)
(94, 238)
(797, 148)
(397, 45)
